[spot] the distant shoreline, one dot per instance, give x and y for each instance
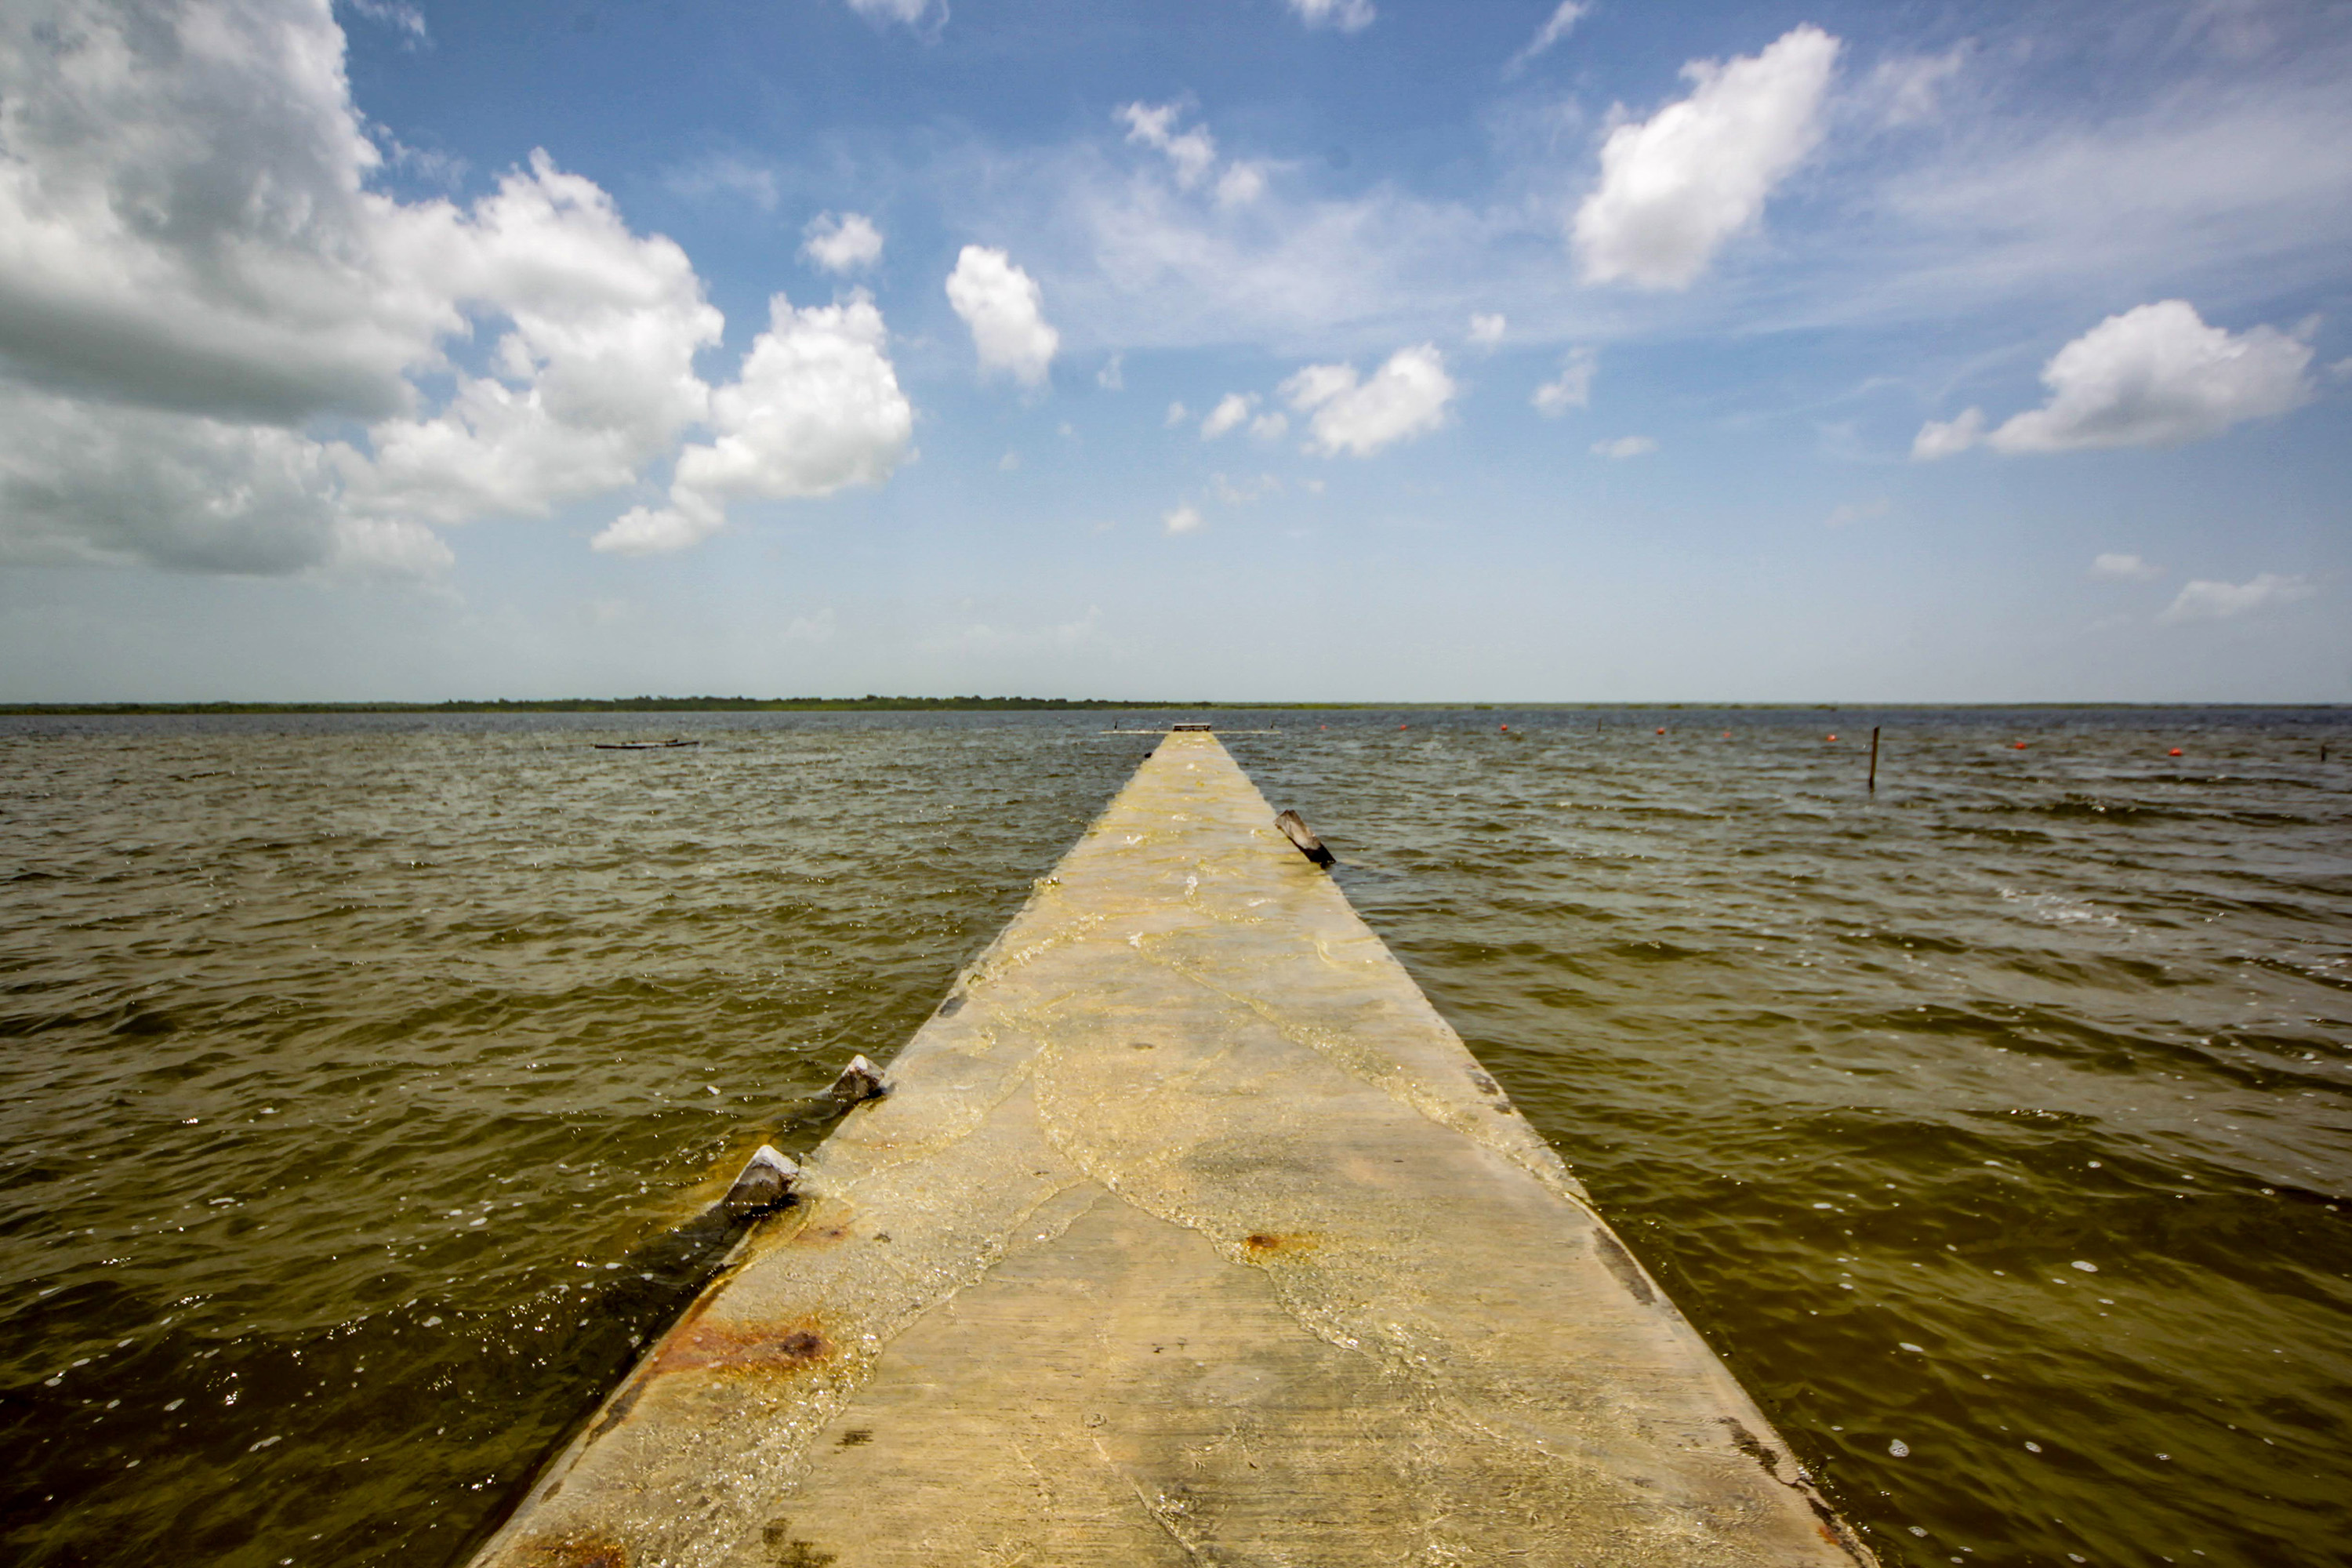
(1036, 705)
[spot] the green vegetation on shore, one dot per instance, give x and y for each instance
(655, 705)
(1025, 704)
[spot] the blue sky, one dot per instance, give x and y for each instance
(1258, 349)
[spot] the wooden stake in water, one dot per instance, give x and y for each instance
(1874, 759)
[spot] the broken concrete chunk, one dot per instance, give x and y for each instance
(1294, 828)
(767, 1181)
(860, 1080)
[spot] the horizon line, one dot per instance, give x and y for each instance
(878, 703)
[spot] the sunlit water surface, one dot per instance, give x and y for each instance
(357, 1076)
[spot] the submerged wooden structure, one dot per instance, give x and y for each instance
(1189, 1234)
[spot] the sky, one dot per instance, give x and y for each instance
(1316, 350)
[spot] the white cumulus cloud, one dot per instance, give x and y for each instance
(1192, 152)
(1571, 388)
(1624, 446)
(1240, 185)
(2208, 600)
(1270, 425)
(816, 408)
(1487, 331)
(2154, 376)
(1006, 312)
(843, 244)
(593, 380)
(1675, 188)
(183, 217)
(1406, 397)
(1230, 411)
(252, 353)
(1183, 520)
(1347, 15)
(1943, 438)
(2121, 568)
(87, 484)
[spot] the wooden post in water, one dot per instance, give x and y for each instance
(1874, 759)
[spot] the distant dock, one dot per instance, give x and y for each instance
(1189, 1233)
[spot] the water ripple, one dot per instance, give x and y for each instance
(360, 1079)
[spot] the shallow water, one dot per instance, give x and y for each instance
(357, 1076)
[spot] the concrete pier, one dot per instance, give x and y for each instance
(1188, 1233)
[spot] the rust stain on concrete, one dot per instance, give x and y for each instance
(1271, 1243)
(574, 1552)
(712, 1344)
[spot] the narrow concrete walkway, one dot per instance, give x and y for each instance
(1191, 1233)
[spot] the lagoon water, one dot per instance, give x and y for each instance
(358, 1074)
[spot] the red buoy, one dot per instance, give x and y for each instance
(2021, 746)
(1662, 728)
(1833, 737)
(2176, 751)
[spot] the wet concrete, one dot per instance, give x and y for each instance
(1188, 1233)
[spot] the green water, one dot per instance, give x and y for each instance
(357, 1076)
